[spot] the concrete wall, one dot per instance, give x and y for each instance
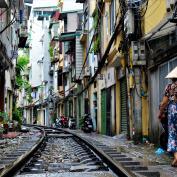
(72, 22)
(155, 13)
(36, 53)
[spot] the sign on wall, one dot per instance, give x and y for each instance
(110, 77)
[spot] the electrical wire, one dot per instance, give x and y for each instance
(102, 62)
(147, 2)
(154, 10)
(10, 23)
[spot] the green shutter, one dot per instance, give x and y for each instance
(103, 111)
(123, 98)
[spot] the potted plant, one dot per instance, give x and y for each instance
(1, 131)
(6, 123)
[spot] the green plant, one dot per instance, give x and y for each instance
(22, 62)
(51, 52)
(4, 117)
(53, 117)
(28, 90)
(17, 115)
(96, 46)
(81, 122)
(95, 18)
(1, 130)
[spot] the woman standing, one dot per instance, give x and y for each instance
(169, 101)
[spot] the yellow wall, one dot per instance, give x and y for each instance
(145, 108)
(155, 12)
(118, 116)
(92, 5)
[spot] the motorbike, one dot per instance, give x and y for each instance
(58, 123)
(72, 123)
(88, 124)
(64, 121)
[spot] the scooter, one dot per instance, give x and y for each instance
(64, 121)
(72, 123)
(58, 123)
(88, 124)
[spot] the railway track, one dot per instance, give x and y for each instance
(59, 153)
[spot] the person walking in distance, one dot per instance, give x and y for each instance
(169, 102)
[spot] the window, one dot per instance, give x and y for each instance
(37, 13)
(47, 13)
(112, 15)
(60, 80)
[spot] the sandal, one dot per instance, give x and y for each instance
(174, 163)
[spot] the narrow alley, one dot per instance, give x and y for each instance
(98, 75)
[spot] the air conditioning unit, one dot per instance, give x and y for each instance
(129, 22)
(87, 71)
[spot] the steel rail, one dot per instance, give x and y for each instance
(116, 167)
(19, 162)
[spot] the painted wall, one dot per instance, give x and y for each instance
(72, 22)
(155, 13)
(36, 53)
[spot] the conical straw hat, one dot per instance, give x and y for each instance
(172, 74)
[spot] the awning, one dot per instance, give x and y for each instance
(64, 13)
(167, 29)
(68, 36)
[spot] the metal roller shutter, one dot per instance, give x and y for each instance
(103, 111)
(123, 98)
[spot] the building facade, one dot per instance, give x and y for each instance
(13, 34)
(107, 59)
(39, 109)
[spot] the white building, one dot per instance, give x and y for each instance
(39, 76)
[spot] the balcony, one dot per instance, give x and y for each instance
(67, 36)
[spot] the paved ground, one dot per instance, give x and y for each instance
(145, 153)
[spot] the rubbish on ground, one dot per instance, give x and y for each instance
(159, 151)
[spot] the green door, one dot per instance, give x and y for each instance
(124, 110)
(103, 111)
